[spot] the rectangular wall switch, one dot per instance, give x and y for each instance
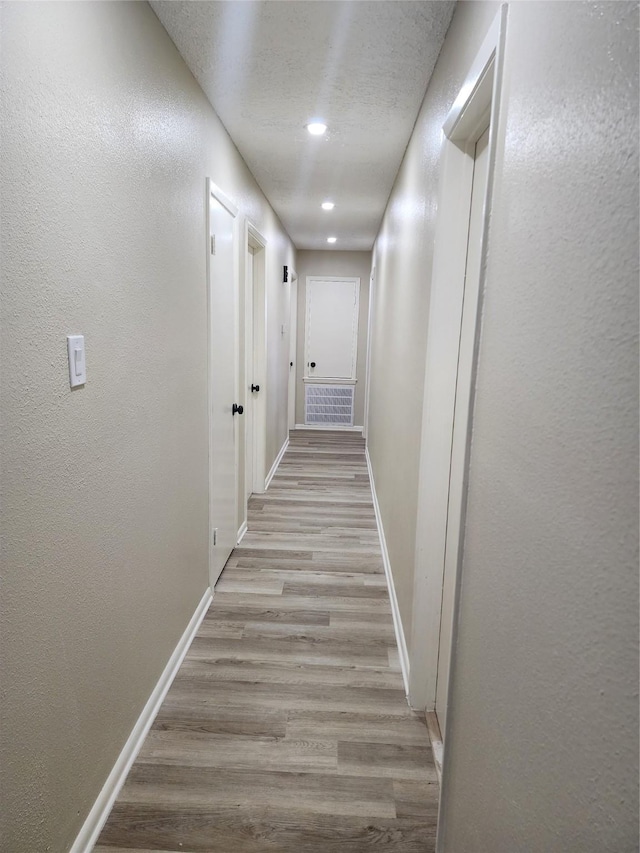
(77, 366)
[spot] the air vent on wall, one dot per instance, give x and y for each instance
(328, 405)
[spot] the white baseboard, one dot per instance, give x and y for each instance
(437, 747)
(334, 428)
(241, 532)
(274, 467)
(99, 813)
(395, 610)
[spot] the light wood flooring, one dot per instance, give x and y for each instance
(287, 728)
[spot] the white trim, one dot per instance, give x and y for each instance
(474, 80)
(395, 609)
(99, 813)
(367, 374)
(443, 345)
(247, 425)
(212, 190)
(435, 738)
(311, 380)
(223, 198)
(274, 467)
(241, 532)
(255, 238)
(293, 352)
(257, 371)
(333, 428)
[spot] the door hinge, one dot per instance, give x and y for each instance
(215, 536)
(213, 244)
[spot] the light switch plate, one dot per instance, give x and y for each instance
(77, 365)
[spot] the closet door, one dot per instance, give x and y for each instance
(331, 329)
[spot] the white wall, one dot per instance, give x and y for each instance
(543, 722)
(106, 144)
(402, 256)
(332, 263)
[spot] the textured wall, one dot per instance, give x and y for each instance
(403, 255)
(543, 737)
(106, 144)
(339, 264)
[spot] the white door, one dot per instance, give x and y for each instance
(461, 420)
(222, 383)
(331, 331)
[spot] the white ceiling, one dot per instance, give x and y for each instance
(269, 67)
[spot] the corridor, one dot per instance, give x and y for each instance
(319, 426)
(287, 726)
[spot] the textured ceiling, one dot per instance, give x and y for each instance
(269, 67)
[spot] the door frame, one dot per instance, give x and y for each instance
(461, 415)
(479, 94)
(293, 348)
(256, 366)
(367, 378)
(212, 189)
(248, 427)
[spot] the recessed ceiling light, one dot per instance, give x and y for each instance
(328, 205)
(331, 239)
(316, 128)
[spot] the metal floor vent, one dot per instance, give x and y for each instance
(328, 405)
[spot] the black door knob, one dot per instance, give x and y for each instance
(290, 364)
(313, 364)
(237, 409)
(255, 387)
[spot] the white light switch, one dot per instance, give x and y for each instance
(77, 366)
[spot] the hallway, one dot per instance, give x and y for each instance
(287, 726)
(226, 225)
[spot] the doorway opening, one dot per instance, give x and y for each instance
(468, 155)
(293, 344)
(253, 373)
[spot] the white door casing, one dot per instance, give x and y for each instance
(477, 105)
(249, 378)
(367, 392)
(331, 327)
(256, 359)
(222, 314)
(461, 421)
(293, 342)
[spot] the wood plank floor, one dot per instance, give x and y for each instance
(287, 728)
